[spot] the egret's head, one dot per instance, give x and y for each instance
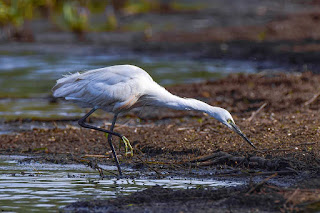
(225, 117)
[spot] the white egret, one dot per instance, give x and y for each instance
(120, 88)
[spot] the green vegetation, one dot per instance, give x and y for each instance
(81, 16)
(75, 17)
(15, 12)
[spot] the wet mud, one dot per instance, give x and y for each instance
(278, 112)
(288, 39)
(254, 198)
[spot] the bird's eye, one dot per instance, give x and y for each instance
(229, 121)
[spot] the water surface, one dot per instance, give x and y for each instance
(27, 187)
(26, 78)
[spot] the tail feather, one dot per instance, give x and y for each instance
(64, 86)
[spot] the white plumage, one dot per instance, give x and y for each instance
(112, 89)
(123, 87)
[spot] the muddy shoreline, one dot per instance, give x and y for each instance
(278, 112)
(172, 143)
(258, 198)
(282, 32)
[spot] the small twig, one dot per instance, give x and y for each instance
(95, 166)
(259, 185)
(206, 158)
(150, 167)
(55, 125)
(256, 112)
(275, 150)
(308, 143)
(173, 166)
(312, 99)
(145, 163)
(257, 174)
(292, 169)
(292, 196)
(293, 189)
(95, 156)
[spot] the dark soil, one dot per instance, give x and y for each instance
(288, 39)
(286, 127)
(285, 32)
(278, 112)
(255, 198)
(177, 143)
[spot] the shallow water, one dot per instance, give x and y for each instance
(47, 187)
(26, 78)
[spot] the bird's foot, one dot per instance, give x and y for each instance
(127, 145)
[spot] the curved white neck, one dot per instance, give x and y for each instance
(161, 97)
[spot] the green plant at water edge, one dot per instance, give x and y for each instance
(75, 17)
(111, 19)
(14, 15)
(4, 14)
(140, 6)
(15, 12)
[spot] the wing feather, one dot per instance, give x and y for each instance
(102, 87)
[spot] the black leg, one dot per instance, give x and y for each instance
(111, 145)
(82, 123)
(110, 132)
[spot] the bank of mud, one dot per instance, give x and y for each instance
(251, 198)
(278, 112)
(285, 33)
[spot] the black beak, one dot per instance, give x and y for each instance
(237, 130)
